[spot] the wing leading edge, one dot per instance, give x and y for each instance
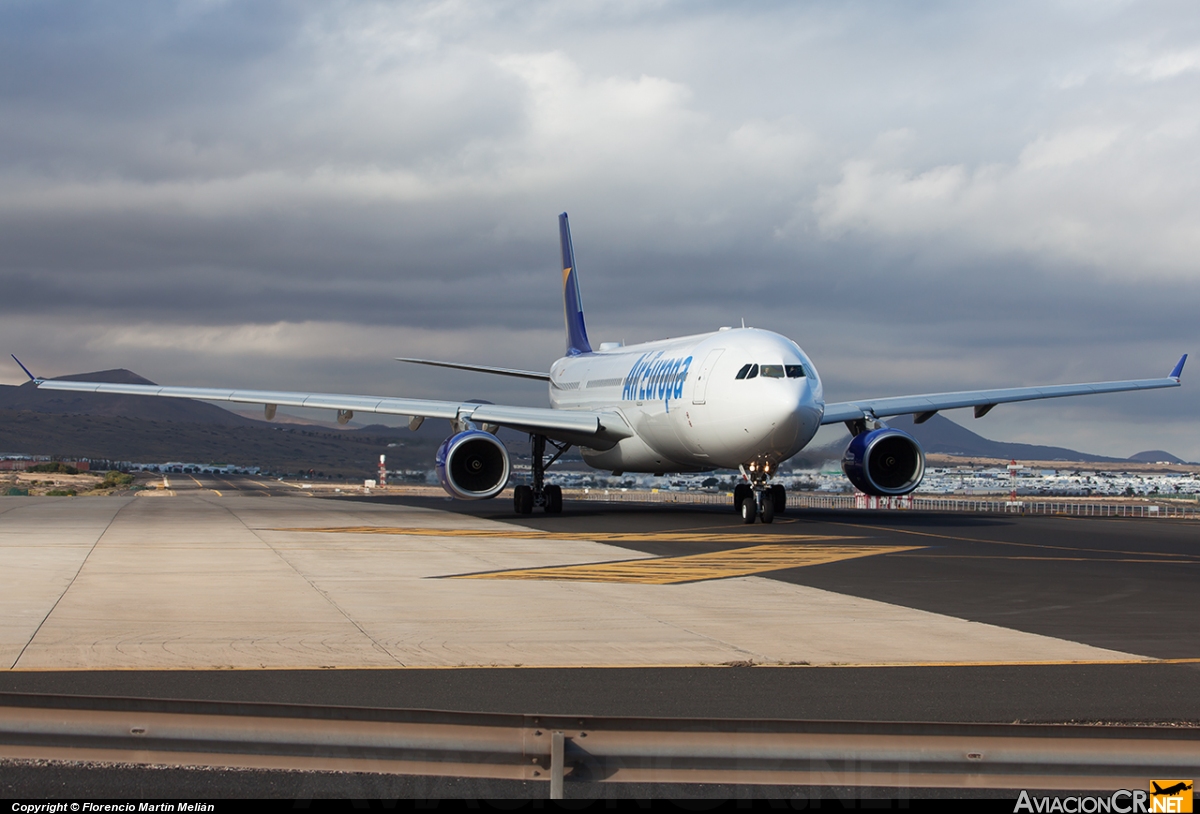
(566, 425)
(924, 406)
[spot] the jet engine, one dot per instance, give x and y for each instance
(885, 462)
(473, 465)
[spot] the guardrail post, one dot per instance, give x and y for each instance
(556, 765)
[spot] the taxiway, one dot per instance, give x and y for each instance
(235, 590)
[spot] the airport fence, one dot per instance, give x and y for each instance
(801, 500)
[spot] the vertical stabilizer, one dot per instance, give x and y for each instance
(577, 340)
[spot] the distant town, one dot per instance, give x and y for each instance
(964, 479)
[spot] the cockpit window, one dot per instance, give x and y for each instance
(751, 371)
(771, 371)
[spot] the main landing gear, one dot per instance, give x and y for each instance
(757, 499)
(548, 496)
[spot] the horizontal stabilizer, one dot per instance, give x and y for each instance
(499, 371)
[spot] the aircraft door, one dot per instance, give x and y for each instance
(700, 388)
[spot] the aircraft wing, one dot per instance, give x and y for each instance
(575, 426)
(923, 407)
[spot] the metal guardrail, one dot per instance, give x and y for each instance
(558, 748)
(800, 500)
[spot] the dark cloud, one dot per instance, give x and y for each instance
(926, 196)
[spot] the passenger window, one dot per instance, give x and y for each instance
(741, 374)
(795, 371)
(772, 371)
(753, 372)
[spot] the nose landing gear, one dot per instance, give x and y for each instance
(548, 496)
(757, 499)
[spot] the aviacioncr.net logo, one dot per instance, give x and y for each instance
(1164, 796)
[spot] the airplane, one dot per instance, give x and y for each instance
(736, 398)
(1171, 791)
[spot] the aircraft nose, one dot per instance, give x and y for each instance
(784, 415)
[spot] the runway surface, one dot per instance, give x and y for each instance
(245, 589)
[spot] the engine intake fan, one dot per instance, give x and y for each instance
(885, 462)
(473, 465)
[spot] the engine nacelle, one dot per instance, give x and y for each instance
(884, 462)
(473, 465)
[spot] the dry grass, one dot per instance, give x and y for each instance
(85, 483)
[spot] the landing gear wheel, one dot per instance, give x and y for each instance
(779, 498)
(749, 510)
(768, 508)
(740, 493)
(553, 499)
(523, 499)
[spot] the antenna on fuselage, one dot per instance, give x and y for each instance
(743, 322)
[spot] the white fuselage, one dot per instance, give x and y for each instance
(688, 408)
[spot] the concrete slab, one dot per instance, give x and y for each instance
(40, 556)
(201, 581)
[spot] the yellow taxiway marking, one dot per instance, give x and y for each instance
(202, 486)
(738, 562)
(517, 533)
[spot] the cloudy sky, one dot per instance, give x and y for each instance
(926, 196)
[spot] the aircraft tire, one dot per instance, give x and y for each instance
(553, 499)
(740, 493)
(523, 499)
(779, 498)
(749, 510)
(767, 515)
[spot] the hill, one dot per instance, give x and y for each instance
(184, 411)
(940, 435)
(149, 430)
(352, 453)
(136, 428)
(1155, 456)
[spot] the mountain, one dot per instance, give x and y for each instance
(184, 411)
(156, 430)
(940, 435)
(1155, 456)
(290, 449)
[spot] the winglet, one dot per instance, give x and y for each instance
(32, 378)
(577, 339)
(1175, 374)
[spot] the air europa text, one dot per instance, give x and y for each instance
(653, 377)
